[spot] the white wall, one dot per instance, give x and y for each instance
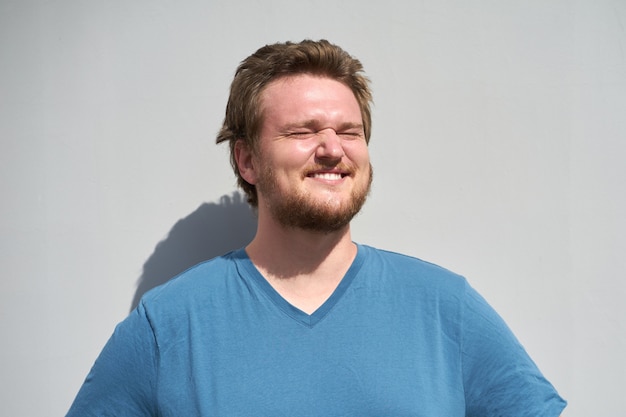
(499, 151)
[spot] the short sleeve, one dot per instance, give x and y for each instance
(499, 377)
(123, 379)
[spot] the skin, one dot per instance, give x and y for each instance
(312, 142)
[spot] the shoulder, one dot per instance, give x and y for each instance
(409, 269)
(197, 284)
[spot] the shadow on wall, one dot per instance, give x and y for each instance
(210, 231)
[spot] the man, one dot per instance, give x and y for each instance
(303, 321)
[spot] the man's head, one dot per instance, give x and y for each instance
(311, 168)
(244, 112)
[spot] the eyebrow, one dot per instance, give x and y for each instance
(315, 123)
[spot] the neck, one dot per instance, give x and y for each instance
(288, 252)
(303, 266)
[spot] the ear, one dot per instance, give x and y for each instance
(244, 157)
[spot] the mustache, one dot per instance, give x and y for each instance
(334, 166)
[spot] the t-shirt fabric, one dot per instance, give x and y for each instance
(398, 337)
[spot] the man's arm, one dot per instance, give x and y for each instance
(123, 378)
(499, 376)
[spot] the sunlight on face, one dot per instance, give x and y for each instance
(313, 162)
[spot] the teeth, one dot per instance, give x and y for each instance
(328, 176)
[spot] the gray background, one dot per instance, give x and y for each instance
(498, 147)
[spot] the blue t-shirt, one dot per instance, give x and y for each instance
(398, 337)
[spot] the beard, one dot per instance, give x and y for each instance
(299, 210)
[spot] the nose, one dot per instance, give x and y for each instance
(330, 146)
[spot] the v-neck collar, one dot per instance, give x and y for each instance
(250, 273)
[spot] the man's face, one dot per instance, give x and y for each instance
(312, 161)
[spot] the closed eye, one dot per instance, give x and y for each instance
(301, 134)
(350, 135)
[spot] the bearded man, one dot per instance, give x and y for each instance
(303, 321)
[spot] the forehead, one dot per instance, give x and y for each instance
(306, 96)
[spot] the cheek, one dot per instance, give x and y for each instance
(294, 157)
(304, 149)
(358, 153)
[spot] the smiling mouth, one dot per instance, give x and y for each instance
(331, 176)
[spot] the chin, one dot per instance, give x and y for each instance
(331, 216)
